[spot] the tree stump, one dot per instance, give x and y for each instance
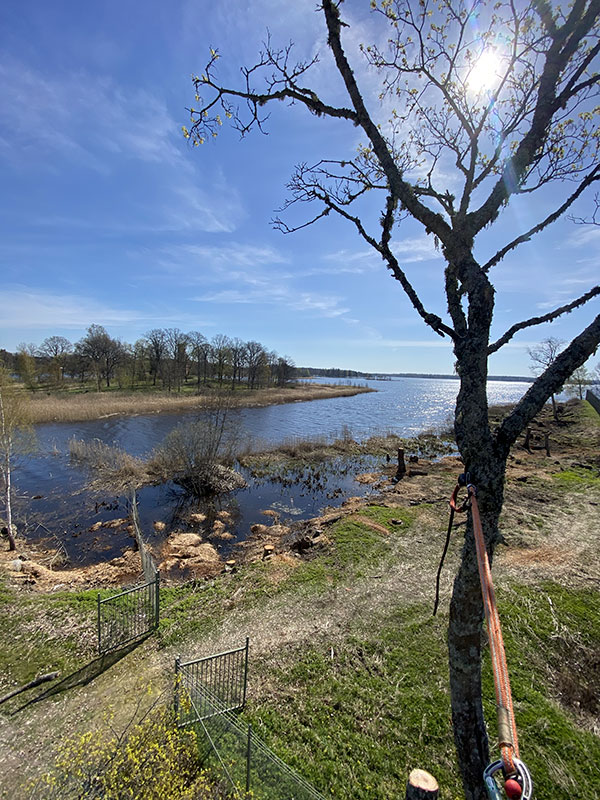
(401, 471)
(268, 550)
(421, 786)
(526, 443)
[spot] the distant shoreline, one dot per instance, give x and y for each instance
(374, 376)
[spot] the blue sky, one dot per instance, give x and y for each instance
(110, 217)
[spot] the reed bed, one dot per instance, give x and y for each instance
(96, 405)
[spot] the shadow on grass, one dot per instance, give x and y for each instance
(87, 673)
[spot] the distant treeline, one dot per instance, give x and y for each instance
(309, 372)
(164, 358)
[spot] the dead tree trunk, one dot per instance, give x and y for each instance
(49, 676)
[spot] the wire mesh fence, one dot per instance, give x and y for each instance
(130, 614)
(127, 615)
(208, 692)
(148, 564)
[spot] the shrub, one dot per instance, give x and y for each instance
(151, 760)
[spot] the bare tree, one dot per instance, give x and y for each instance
(177, 350)
(285, 370)
(157, 348)
(14, 440)
(579, 379)
(139, 356)
(200, 349)
(255, 359)
(532, 126)
(543, 356)
(103, 352)
(221, 353)
(56, 349)
(236, 350)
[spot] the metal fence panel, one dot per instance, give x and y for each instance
(128, 615)
(217, 684)
(207, 692)
(593, 399)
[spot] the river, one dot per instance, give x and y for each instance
(52, 500)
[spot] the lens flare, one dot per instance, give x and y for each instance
(485, 72)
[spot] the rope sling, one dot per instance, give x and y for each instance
(517, 780)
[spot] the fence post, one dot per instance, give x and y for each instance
(248, 757)
(245, 671)
(156, 598)
(177, 681)
(99, 627)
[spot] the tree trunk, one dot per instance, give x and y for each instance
(7, 446)
(11, 537)
(465, 634)
(485, 466)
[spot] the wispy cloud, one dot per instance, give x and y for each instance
(81, 118)
(584, 236)
(417, 248)
(38, 309)
(349, 261)
(231, 260)
(192, 208)
(42, 308)
(320, 305)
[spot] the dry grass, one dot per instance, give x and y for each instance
(79, 407)
(112, 469)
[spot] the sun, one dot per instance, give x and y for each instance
(485, 72)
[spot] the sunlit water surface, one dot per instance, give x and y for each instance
(53, 501)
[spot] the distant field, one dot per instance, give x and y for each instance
(95, 405)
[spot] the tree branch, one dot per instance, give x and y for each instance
(552, 315)
(382, 247)
(548, 383)
(400, 188)
(565, 41)
(594, 175)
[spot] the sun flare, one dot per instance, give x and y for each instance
(485, 72)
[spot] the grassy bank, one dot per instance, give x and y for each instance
(348, 677)
(95, 405)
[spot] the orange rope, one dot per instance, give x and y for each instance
(507, 729)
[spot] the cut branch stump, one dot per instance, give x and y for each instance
(421, 786)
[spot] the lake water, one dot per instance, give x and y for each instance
(65, 510)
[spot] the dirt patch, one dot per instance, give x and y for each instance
(540, 556)
(32, 568)
(577, 679)
(186, 555)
